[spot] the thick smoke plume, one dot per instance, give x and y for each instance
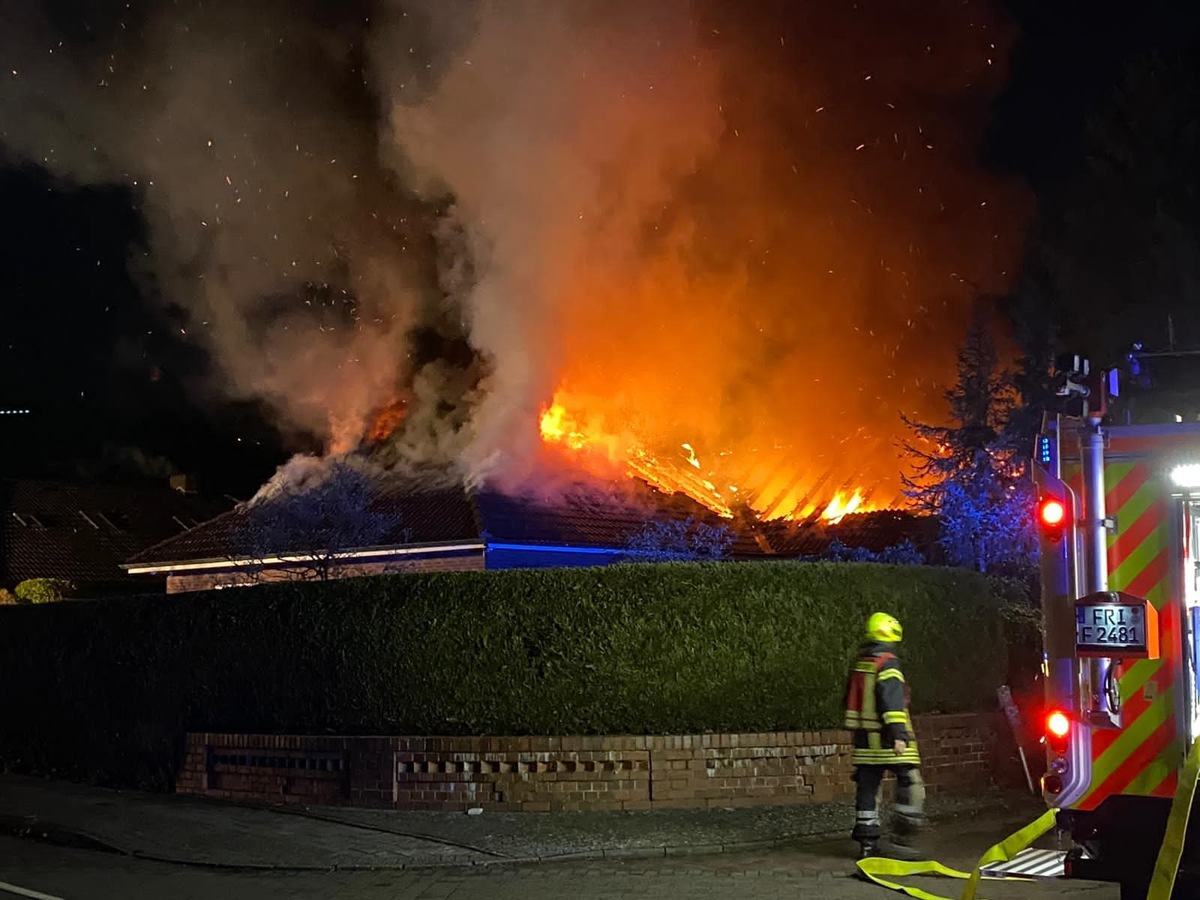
(750, 228)
(246, 135)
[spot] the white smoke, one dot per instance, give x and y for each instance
(561, 131)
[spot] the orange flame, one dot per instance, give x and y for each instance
(387, 420)
(712, 485)
(839, 507)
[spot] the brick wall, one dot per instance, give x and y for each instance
(537, 774)
(205, 581)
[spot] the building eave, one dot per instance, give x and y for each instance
(535, 547)
(208, 565)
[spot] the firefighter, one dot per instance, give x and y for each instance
(877, 715)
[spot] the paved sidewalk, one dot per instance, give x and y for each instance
(792, 872)
(208, 833)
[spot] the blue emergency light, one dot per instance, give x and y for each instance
(1045, 450)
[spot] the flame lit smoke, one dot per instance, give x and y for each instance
(714, 246)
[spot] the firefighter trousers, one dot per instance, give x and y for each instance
(909, 808)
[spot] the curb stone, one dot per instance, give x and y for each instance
(31, 828)
(635, 853)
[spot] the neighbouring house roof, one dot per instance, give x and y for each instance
(442, 518)
(83, 532)
(430, 517)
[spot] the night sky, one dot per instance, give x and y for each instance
(115, 386)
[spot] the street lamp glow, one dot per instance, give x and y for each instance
(1186, 476)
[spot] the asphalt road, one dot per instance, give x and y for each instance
(40, 871)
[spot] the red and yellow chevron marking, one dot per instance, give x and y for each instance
(1144, 755)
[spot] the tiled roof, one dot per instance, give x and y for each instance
(879, 530)
(580, 516)
(874, 531)
(593, 517)
(83, 532)
(428, 516)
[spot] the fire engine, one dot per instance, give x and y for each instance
(1118, 513)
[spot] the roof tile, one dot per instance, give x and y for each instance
(83, 532)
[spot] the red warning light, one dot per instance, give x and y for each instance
(1058, 727)
(1057, 724)
(1052, 511)
(1052, 518)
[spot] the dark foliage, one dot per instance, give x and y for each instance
(106, 690)
(678, 540)
(1023, 626)
(904, 553)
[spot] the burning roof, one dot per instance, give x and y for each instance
(763, 483)
(424, 515)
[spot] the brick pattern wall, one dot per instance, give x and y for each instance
(273, 768)
(534, 774)
(958, 752)
(229, 578)
(538, 774)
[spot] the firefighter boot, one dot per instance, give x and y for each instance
(905, 832)
(901, 851)
(867, 848)
(908, 818)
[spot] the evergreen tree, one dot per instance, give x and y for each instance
(971, 473)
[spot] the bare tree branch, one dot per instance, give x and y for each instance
(305, 530)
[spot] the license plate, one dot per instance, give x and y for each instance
(1110, 626)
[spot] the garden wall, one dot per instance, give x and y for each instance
(542, 774)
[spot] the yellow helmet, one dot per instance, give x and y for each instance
(884, 628)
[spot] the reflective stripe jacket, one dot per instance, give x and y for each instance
(877, 709)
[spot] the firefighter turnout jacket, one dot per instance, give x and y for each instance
(877, 709)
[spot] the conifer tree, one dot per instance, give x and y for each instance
(971, 473)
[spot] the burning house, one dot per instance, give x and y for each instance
(337, 529)
(624, 227)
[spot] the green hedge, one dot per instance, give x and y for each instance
(1023, 627)
(105, 690)
(43, 590)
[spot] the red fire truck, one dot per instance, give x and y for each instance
(1119, 516)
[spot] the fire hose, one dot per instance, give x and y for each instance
(1162, 882)
(1004, 851)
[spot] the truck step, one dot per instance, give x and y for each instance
(1030, 864)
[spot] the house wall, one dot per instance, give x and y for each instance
(185, 582)
(545, 558)
(537, 774)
